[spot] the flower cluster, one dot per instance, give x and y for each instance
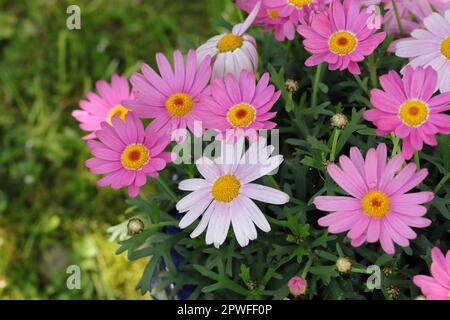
(216, 87)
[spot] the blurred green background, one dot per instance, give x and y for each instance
(51, 213)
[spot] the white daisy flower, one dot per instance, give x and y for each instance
(232, 52)
(430, 47)
(225, 194)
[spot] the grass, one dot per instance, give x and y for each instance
(51, 213)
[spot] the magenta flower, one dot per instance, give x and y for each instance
(407, 107)
(101, 108)
(379, 207)
(240, 107)
(282, 17)
(171, 99)
(436, 287)
(127, 154)
(340, 36)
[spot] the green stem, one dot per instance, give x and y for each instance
(335, 141)
(397, 16)
(396, 142)
(359, 270)
(239, 13)
(166, 188)
(316, 85)
(306, 269)
(442, 182)
(417, 159)
(373, 71)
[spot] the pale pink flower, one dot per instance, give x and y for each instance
(430, 47)
(232, 52)
(223, 197)
(378, 207)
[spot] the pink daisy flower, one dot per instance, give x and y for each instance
(101, 108)
(407, 107)
(436, 287)
(271, 18)
(341, 37)
(224, 196)
(171, 99)
(378, 207)
(430, 47)
(236, 107)
(127, 154)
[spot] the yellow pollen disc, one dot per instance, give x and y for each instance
(179, 104)
(445, 48)
(135, 156)
(226, 188)
(376, 204)
(229, 42)
(300, 3)
(119, 111)
(273, 14)
(342, 43)
(413, 113)
(241, 115)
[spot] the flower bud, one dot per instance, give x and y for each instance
(339, 120)
(393, 292)
(297, 286)
(291, 85)
(344, 265)
(135, 226)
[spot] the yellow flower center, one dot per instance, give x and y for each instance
(342, 43)
(273, 14)
(445, 48)
(226, 188)
(300, 3)
(119, 111)
(135, 156)
(376, 204)
(413, 113)
(229, 42)
(179, 104)
(241, 115)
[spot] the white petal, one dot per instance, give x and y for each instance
(257, 171)
(204, 221)
(222, 225)
(210, 232)
(191, 199)
(240, 28)
(252, 210)
(219, 66)
(193, 184)
(208, 169)
(238, 225)
(437, 25)
(195, 212)
(264, 194)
